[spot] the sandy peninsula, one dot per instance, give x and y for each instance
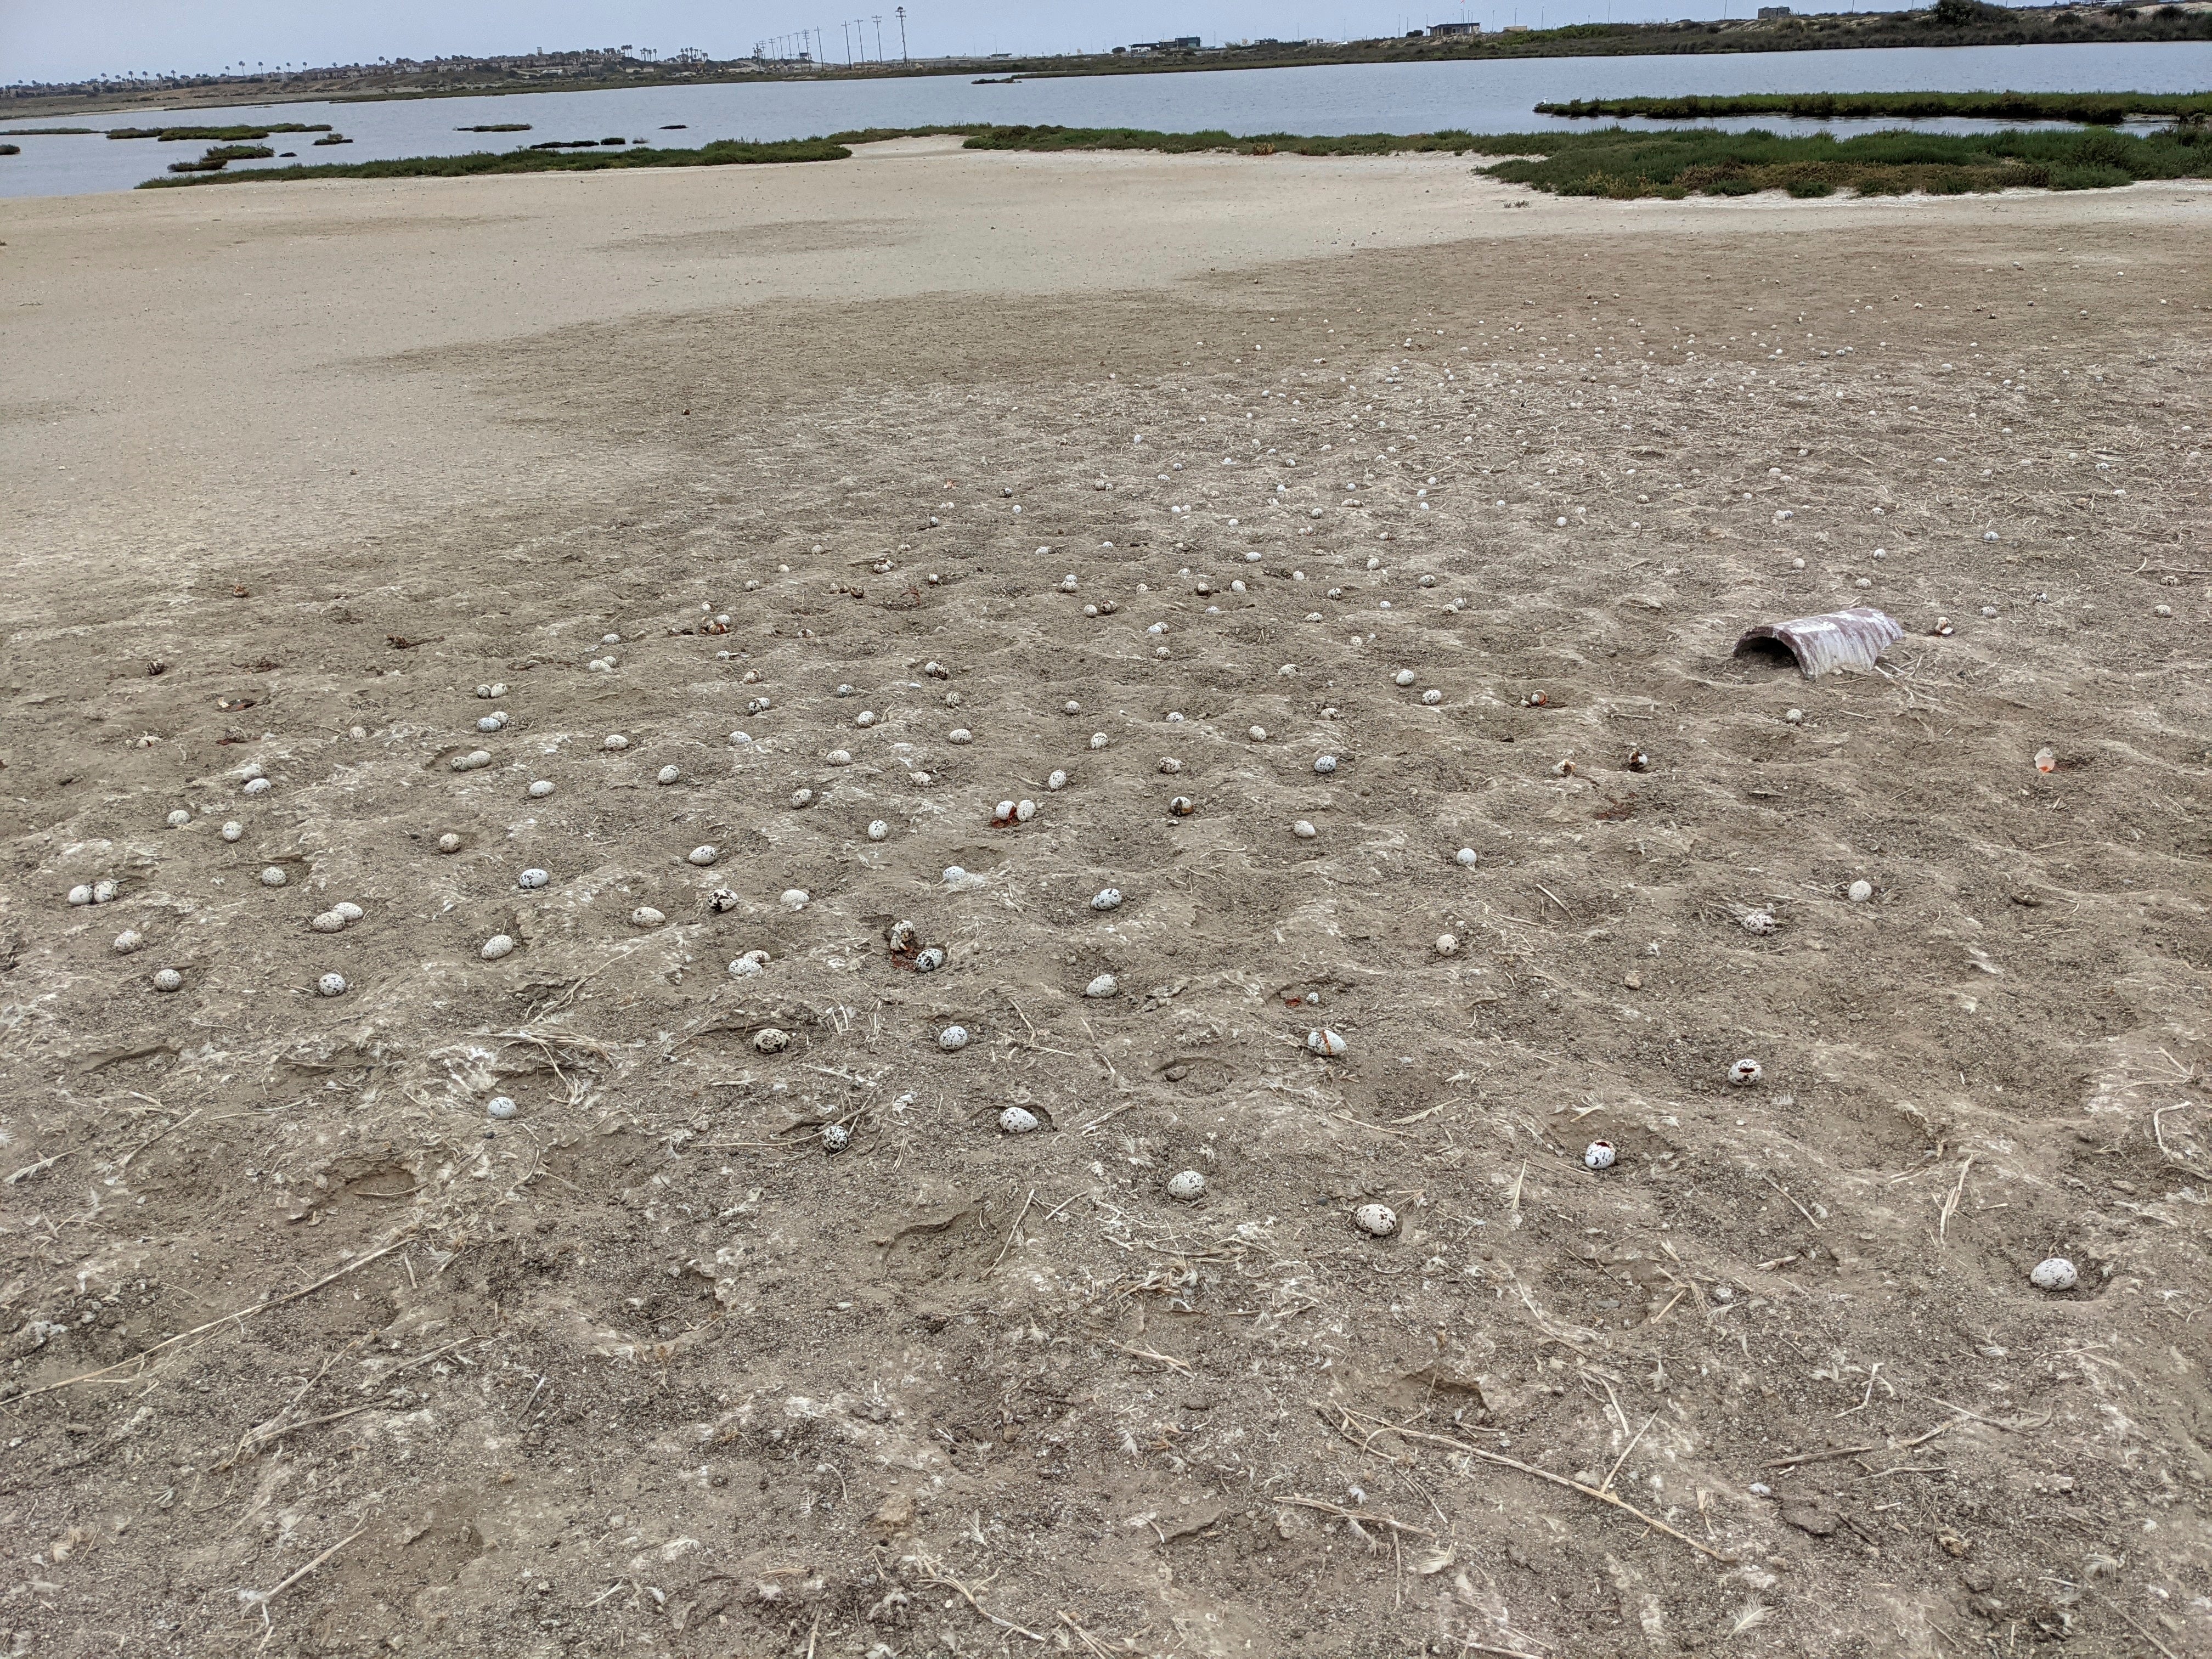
(600, 1295)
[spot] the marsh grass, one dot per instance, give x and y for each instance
(216, 135)
(2088, 108)
(728, 153)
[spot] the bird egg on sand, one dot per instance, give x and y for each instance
(498, 945)
(2054, 1274)
(952, 1039)
(1376, 1220)
(1107, 898)
(330, 985)
(1325, 1044)
(1188, 1185)
(1599, 1155)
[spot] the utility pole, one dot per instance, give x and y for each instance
(879, 35)
(903, 58)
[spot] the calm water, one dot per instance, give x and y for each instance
(1477, 97)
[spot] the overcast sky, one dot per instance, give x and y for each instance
(65, 40)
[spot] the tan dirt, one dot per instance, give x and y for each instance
(308, 1354)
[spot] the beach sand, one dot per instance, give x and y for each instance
(294, 469)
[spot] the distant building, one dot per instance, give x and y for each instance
(1179, 43)
(1516, 29)
(1455, 28)
(1766, 12)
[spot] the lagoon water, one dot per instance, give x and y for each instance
(1496, 96)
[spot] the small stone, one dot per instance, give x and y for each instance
(1447, 944)
(541, 788)
(499, 1106)
(179, 818)
(330, 985)
(645, 917)
(1015, 1120)
(835, 1137)
(532, 878)
(449, 842)
(273, 876)
(703, 856)
(1304, 830)
(1327, 1043)
(1861, 891)
(1187, 1185)
(127, 940)
(2054, 1274)
(1107, 898)
(615, 740)
(1745, 1073)
(795, 898)
(878, 830)
(233, 831)
(1377, 1220)
(1599, 1155)
(771, 1040)
(952, 1039)
(1104, 985)
(667, 774)
(498, 945)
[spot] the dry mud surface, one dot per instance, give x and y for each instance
(308, 1354)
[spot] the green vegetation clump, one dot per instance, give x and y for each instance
(497, 126)
(576, 144)
(331, 138)
(1178, 143)
(726, 153)
(48, 132)
(2107, 109)
(11, 150)
(1683, 161)
(215, 135)
(222, 155)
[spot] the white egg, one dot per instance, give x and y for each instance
(541, 788)
(1188, 1185)
(795, 898)
(1104, 985)
(1107, 898)
(1861, 891)
(1379, 1220)
(233, 831)
(1465, 858)
(169, 979)
(498, 945)
(1432, 697)
(1304, 830)
(2055, 1273)
(771, 1040)
(449, 842)
(839, 757)
(1745, 1073)
(866, 717)
(330, 985)
(929, 960)
(1098, 739)
(1257, 733)
(1325, 765)
(1024, 810)
(835, 1137)
(1404, 677)
(258, 785)
(1599, 1155)
(703, 856)
(81, 894)
(532, 878)
(1761, 923)
(475, 760)
(491, 723)
(179, 818)
(273, 876)
(1003, 812)
(1327, 1043)
(645, 917)
(960, 734)
(1057, 781)
(615, 740)
(127, 940)
(1447, 944)
(952, 1039)
(347, 911)
(329, 922)
(667, 774)
(1014, 1120)
(499, 1106)
(748, 964)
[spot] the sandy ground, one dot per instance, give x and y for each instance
(1162, 474)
